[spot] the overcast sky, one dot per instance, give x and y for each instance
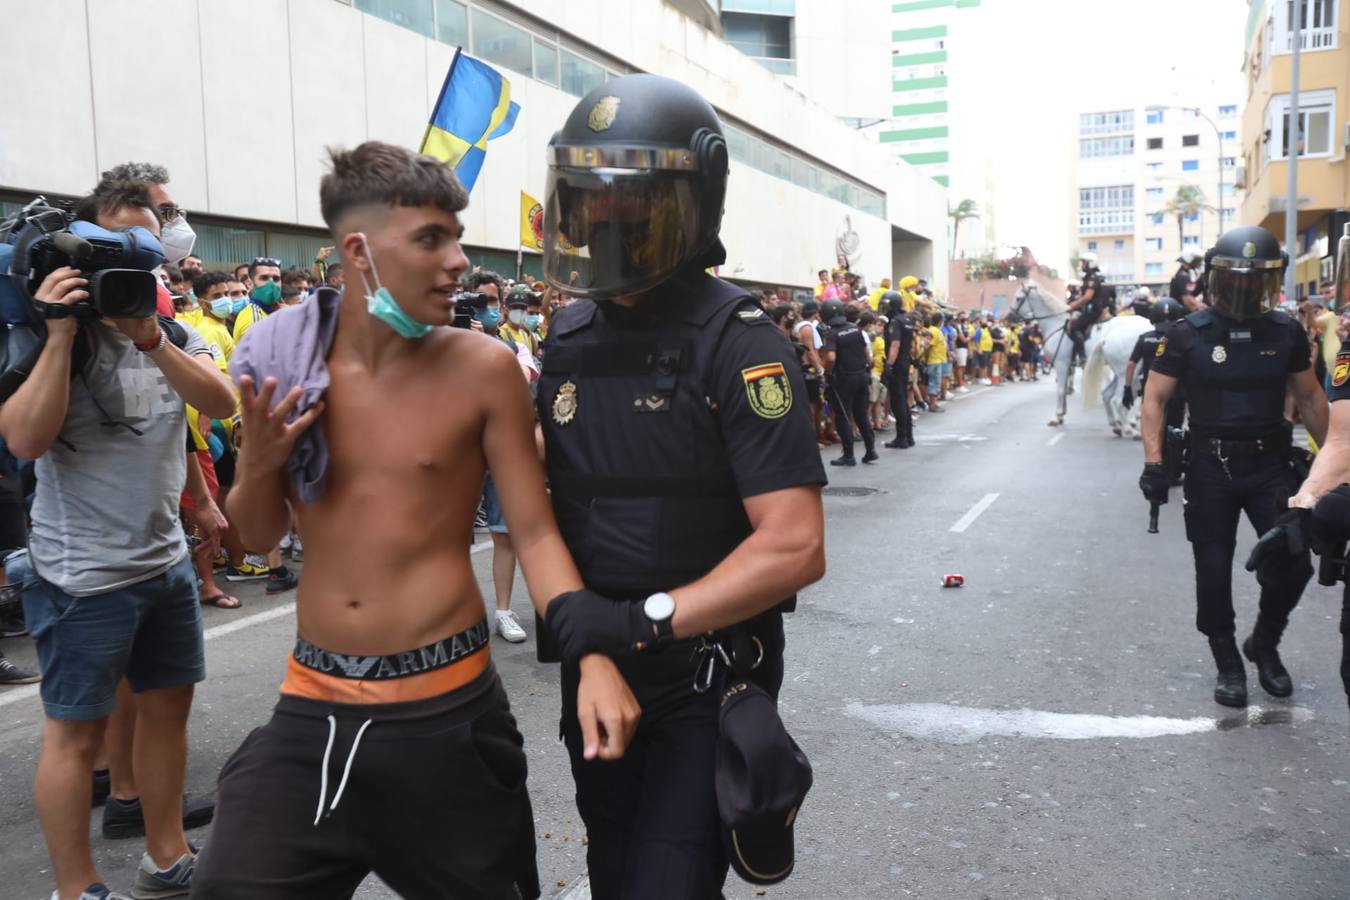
(1030, 66)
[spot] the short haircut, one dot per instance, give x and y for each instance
(146, 173)
(333, 270)
(173, 272)
(235, 271)
(823, 272)
(867, 318)
(474, 280)
(295, 276)
(207, 280)
(380, 174)
(110, 196)
(851, 313)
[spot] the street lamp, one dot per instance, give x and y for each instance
(1218, 136)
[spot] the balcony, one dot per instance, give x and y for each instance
(1323, 38)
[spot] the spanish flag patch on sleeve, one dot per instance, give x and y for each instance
(1162, 348)
(768, 390)
(1341, 372)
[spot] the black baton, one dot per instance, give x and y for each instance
(1153, 516)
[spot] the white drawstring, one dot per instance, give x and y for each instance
(323, 771)
(351, 757)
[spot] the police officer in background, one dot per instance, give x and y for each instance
(899, 356)
(848, 359)
(1187, 287)
(1235, 361)
(1090, 304)
(1162, 313)
(684, 472)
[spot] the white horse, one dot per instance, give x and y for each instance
(1120, 332)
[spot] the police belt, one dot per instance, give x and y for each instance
(1236, 449)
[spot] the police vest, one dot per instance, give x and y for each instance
(850, 349)
(1236, 373)
(1149, 351)
(640, 481)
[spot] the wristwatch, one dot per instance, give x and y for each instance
(659, 609)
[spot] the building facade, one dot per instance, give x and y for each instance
(1134, 167)
(250, 92)
(919, 129)
(1322, 135)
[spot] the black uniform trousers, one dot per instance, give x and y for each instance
(899, 390)
(851, 390)
(651, 816)
(1215, 500)
(1345, 639)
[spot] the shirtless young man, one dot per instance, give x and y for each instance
(393, 748)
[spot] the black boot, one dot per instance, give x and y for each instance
(1230, 688)
(1345, 664)
(845, 460)
(1261, 648)
(870, 456)
(898, 444)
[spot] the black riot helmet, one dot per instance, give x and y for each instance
(1246, 266)
(637, 180)
(892, 304)
(1165, 309)
(832, 312)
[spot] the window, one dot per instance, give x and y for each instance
(1154, 244)
(1190, 140)
(452, 23)
(1092, 245)
(579, 76)
(1122, 145)
(1106, 122)
(772, 7)
(1120, 195)
(1190, 165)
(545, 62)
(412, 14)
(1226, 111)
(1154, 193)
(1190, 240)
(1319, 25)
(499, 41)
(1153, 268)
(1229, 162)
(1192, 217)
(1316, 113)
(1155, 118)
(1119, 245)
(1156, 218)
(1228, 135)
(1155, 143)
(759, 36)
(1188, 113)
(1154, 168)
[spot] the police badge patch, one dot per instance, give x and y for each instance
(1220, 354)
(768, 390)
(565, 403)
(1162, 347)
(1341, 373)
(603, 113)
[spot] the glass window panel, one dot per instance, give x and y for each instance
(579, 76)
(545, 62)
(774, 7)
(452, 23)
(295, 249)
(412, 14)
(221, 247)
(738, 144)
(501, 42)
(1317, 131)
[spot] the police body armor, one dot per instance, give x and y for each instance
(643, 492)
(1237, 373)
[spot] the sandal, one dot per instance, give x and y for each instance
(222, 601)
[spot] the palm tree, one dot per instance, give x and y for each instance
(966, 209)
(1188, 201)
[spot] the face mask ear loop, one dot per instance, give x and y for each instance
(370, 257)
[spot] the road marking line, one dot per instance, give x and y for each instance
(1055, 440)
(969, 518)
(577, 890)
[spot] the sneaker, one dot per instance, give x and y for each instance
(253, 568)
(285, 545)
(282, 580)
(963, 389)
(297, 549)
(125, 818)
(153, 882)
(508, 627)
(12, 674)
(97, 891)
(220, 563)
(480, 522)
(12, 625)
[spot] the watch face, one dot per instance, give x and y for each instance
(659, 607)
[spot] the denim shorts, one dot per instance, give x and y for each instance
(935, 377)
(496, 521)
(149, 632)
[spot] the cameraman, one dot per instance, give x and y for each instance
(109, 439)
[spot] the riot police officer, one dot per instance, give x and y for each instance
(1162, 313)
(899, 357)
(683, 468)
(1235, 361)
(1090, 304)
(848, 359)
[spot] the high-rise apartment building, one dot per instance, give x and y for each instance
(1323, 132)
(1135, 168)
(919, 130)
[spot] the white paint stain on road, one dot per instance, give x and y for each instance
(950, 724)
(969, 518)
(1055, 440)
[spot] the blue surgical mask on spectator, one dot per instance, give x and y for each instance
(533, 321)
(237, 305)
(490, 317)
(222, 307)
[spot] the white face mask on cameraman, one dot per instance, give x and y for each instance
(177, 238)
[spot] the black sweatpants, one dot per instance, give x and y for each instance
(851, 389)
(1215, 500)
(899, 390)
(651, 817)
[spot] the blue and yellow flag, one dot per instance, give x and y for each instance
(474, 107)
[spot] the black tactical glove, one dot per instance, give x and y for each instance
(586, 622)
(1154, 483)
(1329, 527)
(1127, 400)
(1278, 547)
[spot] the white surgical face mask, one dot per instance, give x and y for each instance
(516, 317)
(177, 238)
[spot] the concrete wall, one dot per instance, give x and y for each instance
(844, 61)
(239, 98)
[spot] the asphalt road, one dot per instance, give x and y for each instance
(1047, 731)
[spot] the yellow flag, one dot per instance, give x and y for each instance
(531, 223)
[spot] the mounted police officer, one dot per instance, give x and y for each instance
(899, 358)
(684, 473)
(1187, 287)
(848, 358)
(1235, 362)
(1091, 304)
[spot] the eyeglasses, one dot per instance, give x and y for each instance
(168, 212)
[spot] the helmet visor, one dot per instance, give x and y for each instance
(1244, 293)
(615, 232)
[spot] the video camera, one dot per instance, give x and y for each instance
(466, 304)
(117, 264)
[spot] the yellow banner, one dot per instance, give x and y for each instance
(531, 223)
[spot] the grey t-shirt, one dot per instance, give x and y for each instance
(106, 511)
